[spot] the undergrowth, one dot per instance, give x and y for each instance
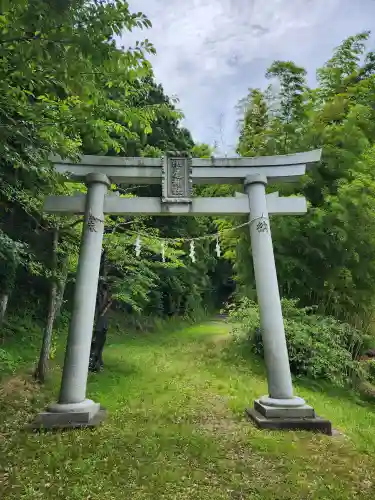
(319, 347)
(176, 430)
(21, 335)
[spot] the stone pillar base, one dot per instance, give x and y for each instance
(292, 408)
(288, 418)
(69, 416)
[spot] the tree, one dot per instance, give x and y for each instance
(59, 69)
(202, 151)
(253, 138)
(12, 254)
(325, 257)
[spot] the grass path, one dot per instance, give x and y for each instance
(176, 430)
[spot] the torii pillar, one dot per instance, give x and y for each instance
(73, 409)
(280, 409)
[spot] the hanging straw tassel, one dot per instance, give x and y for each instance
(192, 251)
(137, 246)
(217, 247)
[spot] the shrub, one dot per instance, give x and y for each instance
(320, 347)
(370, 366)
(9, 362)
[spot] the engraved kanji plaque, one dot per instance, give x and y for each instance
(176, 179)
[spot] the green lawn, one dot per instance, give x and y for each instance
(176, 430)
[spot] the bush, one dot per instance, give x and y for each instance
(320, 347)
(370, 366)
(9, 362)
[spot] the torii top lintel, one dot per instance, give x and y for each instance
(281, 168)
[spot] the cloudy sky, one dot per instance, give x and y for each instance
(209, 52)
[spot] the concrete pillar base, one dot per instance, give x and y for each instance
(86, 406)
(294, 402)
(69, 416)
(277, 418)
(280, 411)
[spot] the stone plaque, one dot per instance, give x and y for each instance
(176, 179)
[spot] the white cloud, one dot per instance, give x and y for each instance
(210, 51)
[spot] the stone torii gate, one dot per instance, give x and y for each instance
(176, 173)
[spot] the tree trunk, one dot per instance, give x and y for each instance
(42, 367)
(103, 303)
(61, 286)
(4, 297)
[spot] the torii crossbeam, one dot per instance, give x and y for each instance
(115, 205)
(177, 173)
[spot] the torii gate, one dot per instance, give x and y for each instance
(176, 173)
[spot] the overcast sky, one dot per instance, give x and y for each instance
(209, 52)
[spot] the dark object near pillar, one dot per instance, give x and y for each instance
(103, 303)
(100, 335)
